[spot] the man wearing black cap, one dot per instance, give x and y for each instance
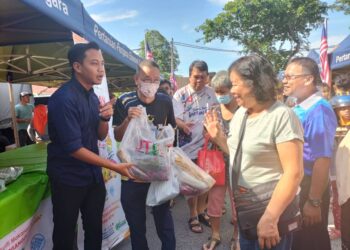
(24, 114)
(76, 122)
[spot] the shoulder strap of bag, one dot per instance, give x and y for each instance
(236, 168)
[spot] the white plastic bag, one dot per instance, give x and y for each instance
(193, 180)
(146, 146)
(162, 191)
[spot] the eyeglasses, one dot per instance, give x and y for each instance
(292, 77)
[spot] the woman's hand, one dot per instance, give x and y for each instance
(212, 124)
(268, 235)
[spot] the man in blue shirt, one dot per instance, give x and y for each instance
(319, 123)
(159, 108)
(76, 122)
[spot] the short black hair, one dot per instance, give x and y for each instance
(200, 65)
(147, 63)
(77, 52)
(257, 72)
(309, 67)
(165, 81)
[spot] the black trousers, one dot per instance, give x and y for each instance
(67, 201)
(133, 198)
(24, 138)
(345, 225)
(313, 237)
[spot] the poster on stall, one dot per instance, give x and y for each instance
(34, 234)
(114, 224)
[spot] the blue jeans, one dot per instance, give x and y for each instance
(133, 199)
(284, 244)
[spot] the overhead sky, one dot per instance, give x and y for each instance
(127, 21)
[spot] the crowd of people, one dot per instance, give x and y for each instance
(280, 149)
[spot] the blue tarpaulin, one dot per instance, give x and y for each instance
(316, 57)
(36, 34)
(340, 57)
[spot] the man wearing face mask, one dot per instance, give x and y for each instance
(133, 193)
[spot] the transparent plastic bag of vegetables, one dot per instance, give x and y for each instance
(193, 180)
(146, 146)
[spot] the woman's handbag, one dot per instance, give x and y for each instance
(212, 161)
(251, 203)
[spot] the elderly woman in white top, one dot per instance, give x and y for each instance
(271, 146)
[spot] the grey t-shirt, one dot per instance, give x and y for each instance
(260, 160)
(24, 112)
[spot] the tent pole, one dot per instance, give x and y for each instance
(13, 114)
(330, 79)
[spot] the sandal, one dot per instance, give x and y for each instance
(194, 223)
(204, 219)
(212, 243)
(234, 244)
(334, 233)
(224, 210)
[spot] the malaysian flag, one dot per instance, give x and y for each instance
(148, 52)
(173, 81)
(325, 74)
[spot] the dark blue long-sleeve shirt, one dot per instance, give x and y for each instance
(73, 120)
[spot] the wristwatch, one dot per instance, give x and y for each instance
(104, 119)
(315, 202)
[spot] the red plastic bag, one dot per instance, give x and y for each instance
(212, 161)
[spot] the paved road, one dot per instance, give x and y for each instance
(185, 239)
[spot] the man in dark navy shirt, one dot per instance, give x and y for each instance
(76, 122)
(133, 194)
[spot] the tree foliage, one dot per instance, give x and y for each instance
(161, 50)
(276, 29)
(342, 5)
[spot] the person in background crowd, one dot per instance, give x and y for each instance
(76, 122)
(133, 194)
(326, 91)
(341, 105)
(24, 114)
(191, 102)
(165, 86)
(342, 84)
(271, 147)
(334, 232)
(319, 123)
(216, 196)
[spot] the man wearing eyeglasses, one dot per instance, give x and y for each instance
(319, 123)
(133, 193)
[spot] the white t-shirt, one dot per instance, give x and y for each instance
(190, 106)
(260, 159)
